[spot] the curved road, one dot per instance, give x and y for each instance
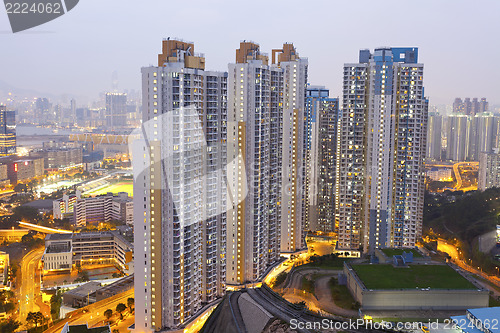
(323, 300)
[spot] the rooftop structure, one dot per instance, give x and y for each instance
(482, 320)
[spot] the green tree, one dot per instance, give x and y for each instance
(38, 318)
(120, 308)
(8, 326)
(30, 318)
(20, 188)
(130, 303)
(108, 313)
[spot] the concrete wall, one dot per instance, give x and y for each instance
(414, 299)
(406, 299)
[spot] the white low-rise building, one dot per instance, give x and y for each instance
(62, 251)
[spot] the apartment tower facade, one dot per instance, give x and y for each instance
(382, 149)
(179, 189)
(320, 151)
(264, 150)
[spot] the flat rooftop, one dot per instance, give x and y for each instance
(58, 237)
(396, 252)
(84, 290)
(84, 329)
(385, 276)
(487, 317)
(119, 285)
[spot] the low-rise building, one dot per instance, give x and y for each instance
(414, 287)
(478, 320)
(20, 170)
(85, 329)
(93, 210)
(63, 251)
(4, 268)
(12, 235)
(81, 296)
(440, 174)
(120, 286)
(64, 207)
(58, 254)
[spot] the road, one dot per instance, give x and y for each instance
(30, 283)
(458, 176)
(457, 259)
(93, 313)
(323, 301)
(42, 229)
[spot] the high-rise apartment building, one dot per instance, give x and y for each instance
(382, 140)
(7, 131)
(320, 145)
(294, 70)
(434, 136)
(265, 125)
(179, 189)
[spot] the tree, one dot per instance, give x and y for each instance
(20, 188)
(120, 308)
(130, 303)
(28, 238)
(38, 318)
(35, 318)
(108, 313)
(8, 326)
(30, 318)
(116, 330)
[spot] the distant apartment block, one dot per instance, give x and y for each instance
(468, 136)
(434, 136)
(55, 158)
(470, 107)
(489, 170)
(92, 210)
(116, 110)
(7, 131)
(63, 251)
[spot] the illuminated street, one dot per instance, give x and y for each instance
(30, 283)
(93, 313)
(456, 257)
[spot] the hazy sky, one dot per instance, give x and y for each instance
(458, 41)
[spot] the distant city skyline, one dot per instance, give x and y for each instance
(78, 53)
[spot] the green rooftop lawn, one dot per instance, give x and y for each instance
(381, 276)
(395, 252)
